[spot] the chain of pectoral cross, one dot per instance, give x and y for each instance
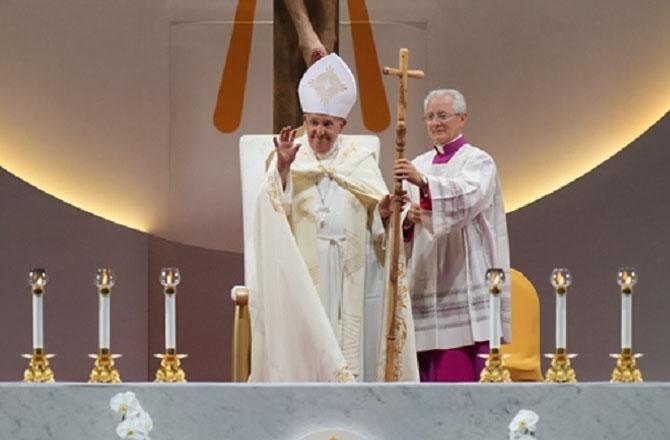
(323, 210)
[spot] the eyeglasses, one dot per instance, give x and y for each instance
(441, 117)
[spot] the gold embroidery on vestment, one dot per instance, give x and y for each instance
(303, 208)
(274, 192)
(346, 152)
(315, 274)
(344, 375)
(354, 254)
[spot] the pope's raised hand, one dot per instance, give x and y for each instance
(286, 149)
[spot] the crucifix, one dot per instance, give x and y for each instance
(315, 24)
(404, 73)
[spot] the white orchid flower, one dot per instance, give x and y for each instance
(132, 428)
(144, 421)
(125, 404)
(524, 425)
(135, 422)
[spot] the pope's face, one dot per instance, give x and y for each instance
(322, 131)
(442, 123)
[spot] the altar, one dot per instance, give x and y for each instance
(205, 411)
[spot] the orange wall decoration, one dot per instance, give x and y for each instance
(374, 106)
(230, 100)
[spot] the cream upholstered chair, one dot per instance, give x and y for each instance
(254, 152)
(524, 362)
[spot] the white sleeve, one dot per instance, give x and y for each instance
(286, 195)
(458, 199)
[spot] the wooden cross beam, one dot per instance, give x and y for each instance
(404, 73)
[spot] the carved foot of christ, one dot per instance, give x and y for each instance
(311, 46)
(312, 54)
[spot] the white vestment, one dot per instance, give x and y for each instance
(317, 301)
(463, 236)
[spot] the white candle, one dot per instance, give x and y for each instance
(626, 320)
(170, 321)
(103, 320)
(561, 279)
(38, 332)
(494, 321)
(560, 320)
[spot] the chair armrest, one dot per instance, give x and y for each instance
(240, 295)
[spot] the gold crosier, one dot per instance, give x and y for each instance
(403, 73)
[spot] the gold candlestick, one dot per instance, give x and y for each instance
(170, 369)
(38, 369)
(560, 370)
(104, 370)
(495, 369)
(626, 369)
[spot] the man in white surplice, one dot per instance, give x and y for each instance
(455, 230)
(317, 299)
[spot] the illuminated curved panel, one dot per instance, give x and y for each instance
(591, 152)
(97, 200)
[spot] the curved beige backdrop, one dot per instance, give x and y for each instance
(108, 106)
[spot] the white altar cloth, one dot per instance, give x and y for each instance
(204, 411)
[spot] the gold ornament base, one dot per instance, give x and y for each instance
(495, 370)
(104, 370)
(38, 370)
(626, 370)
(170, 370)
(560, 370)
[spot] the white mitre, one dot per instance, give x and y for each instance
(328, 87)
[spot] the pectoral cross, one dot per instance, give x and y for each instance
(322, 213)
(391, 375)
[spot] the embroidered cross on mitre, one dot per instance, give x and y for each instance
(327, 85)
